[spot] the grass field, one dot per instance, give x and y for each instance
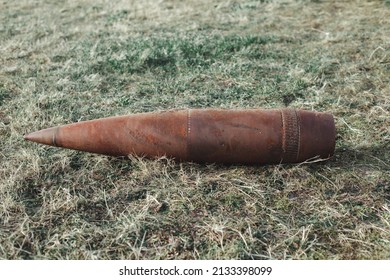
(67, 61)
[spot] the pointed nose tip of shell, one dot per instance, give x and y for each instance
(44, 136)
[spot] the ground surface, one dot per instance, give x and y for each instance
(66, 61)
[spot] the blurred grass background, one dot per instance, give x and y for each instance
(68, 61)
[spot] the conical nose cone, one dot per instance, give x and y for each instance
(45, 136)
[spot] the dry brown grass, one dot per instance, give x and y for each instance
(77, 60)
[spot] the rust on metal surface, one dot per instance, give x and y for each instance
(250, 136)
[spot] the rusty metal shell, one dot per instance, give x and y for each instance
(250, 136)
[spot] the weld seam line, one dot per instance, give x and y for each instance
(188, 132)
